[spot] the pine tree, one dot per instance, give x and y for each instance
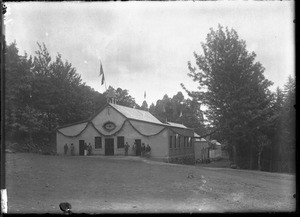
(234, 89)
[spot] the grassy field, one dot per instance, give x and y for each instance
(98, 184)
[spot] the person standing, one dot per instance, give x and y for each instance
(133, 148)
(143, 150)
(148, 150)
(66, 149)
(126, 148)
(89, 149)
(72, 149)
(85, 149)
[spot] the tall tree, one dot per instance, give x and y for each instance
(288, 134)
(17, 94)
(179, 110)
(144, 106)
(123, 97)
(233, 87)
(42, 94)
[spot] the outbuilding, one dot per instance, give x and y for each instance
(201, 149)
(114, 126)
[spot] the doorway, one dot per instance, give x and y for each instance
(109, 146)
(138, 147)
(81, 147)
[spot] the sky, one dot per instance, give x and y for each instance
(145, 46)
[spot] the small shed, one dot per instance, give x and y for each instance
(216, 151)
(201, 149)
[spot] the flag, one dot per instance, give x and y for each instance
(103, 79)
(101, 70)
(145, 95)
(102, 73)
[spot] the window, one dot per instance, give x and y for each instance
(98, 142)
(120, 142)
(178, 141)
(174, 141)
(184, 141)
(170, 141)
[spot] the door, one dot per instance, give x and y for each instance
(109, 146)
(138, 147)
(81, 147)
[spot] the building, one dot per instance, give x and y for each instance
(201, 149)
(216, 151)
(114, 125)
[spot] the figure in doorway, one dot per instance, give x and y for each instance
(72, 149)
(143, 149)
(126, 148)
(85, 149)
(148, 150)
(89, 149)
(66, 149)
(134, 148)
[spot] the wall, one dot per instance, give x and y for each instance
(157, 143)
(201, 150)
(183, 152)
(215, 153)
(88, 135)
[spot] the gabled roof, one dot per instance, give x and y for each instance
(176, 125)
(136, 114)
(130, 113)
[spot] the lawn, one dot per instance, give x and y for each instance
(98, 184)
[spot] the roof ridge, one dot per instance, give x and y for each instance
(138, 114)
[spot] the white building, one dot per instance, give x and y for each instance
(114, 125)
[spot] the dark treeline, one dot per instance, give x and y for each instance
(257, 125)
(42, 94)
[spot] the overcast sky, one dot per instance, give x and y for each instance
(145, 46)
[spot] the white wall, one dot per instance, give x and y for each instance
(199, 145)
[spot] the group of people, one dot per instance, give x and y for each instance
(66, 148)
(87, 149)
(145, 150)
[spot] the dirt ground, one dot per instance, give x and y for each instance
(101, 184)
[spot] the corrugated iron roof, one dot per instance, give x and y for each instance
(202, 139)
(136, 114)
(176, 125)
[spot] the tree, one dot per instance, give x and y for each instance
(144, 106)
(288, 127)
(123, 97)
(42, 94)
(17, 94)
(234, 89)
(179, 110)
(262, 141)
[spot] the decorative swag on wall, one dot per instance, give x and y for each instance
(179, 132)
